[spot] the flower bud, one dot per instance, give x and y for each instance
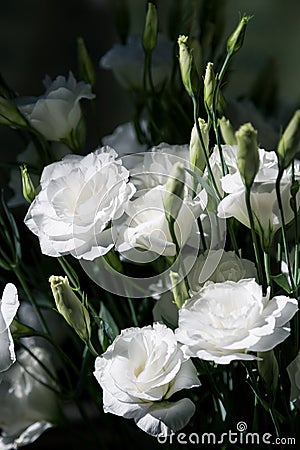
(85, 65)
(268, 370)
(174, 191)
(151, 29)
(247, 156)
(70, 307)
(179, 289)
(227, 131)
(235, 41)
(197, 158)
(189, 74)
(10, 115)
(209, 84)
(27, 185)
(289, 143)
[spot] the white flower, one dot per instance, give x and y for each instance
(79, 197)
(219, 266)
(294, 374)
(27, 407)
(127, 62)
(124, 139)
(225, 321)
(139, 373)
(153, 168)
(263, 197)
(8, 309)
(147, 228)
(57, 112)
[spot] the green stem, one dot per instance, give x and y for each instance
(32, 300)
(133, 313)
(283, 231)
(206, 157)
(254, 239)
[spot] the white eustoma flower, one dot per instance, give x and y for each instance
(152, 168)
(263, 197)
(27, 407)
(127, 62)
(226, 321)
(124, 139)
(140, 372)
(219, 266)
(57, 112)
(147, 228)
(294, 374)
(79, 197)
(8, 308)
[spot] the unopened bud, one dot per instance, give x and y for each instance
(27, 185)
(151, 29)
(70, 307)
(85, 65)
(235, 41)
(289, 143)
(209, 84)
(189, 74)
(227, 131)
(247, 155)
(197, 157)
(10, 115)
(174, 191)
(179, 289)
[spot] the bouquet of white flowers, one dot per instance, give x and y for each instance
(169, 254)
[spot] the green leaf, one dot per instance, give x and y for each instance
(108, 329)
(281, 281)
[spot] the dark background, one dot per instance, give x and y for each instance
(38, 37)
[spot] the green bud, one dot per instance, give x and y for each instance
(197, 158)
(268, 370)
(189, 74)
(85, 66)
(27, 185)
(151, 29)
(227, 131)
(247, 156)
(70, 307)
(179, 289)
(209, 85)
(10, 115)
(235, 41)
(174, 191)
(289, 143)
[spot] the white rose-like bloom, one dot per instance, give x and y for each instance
(8, 308)
(124, 139)
(127, 62)
(79, 196)
(294, 374)
(225, 321)
(219, 266)
(147, 228)
(27, 407)
(263, 197)
(139, 373)
(57, 112)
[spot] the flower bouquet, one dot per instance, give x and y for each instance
(155, 277)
